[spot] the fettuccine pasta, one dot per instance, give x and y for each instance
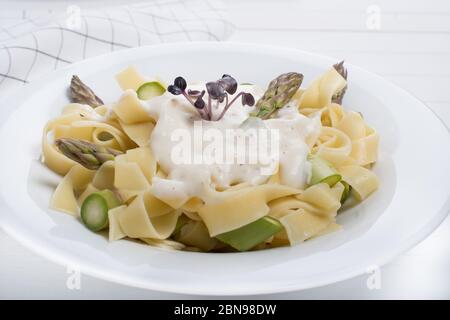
(124, 163)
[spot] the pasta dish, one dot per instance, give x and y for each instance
(217, 166)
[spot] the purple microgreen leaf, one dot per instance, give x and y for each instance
(174, 90)
(215, 90)
(194, 93)
(222, 98)
(228, 83)
(248, 99)
(200, 103)
(180, 83)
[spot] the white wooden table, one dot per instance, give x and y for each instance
(408, 42)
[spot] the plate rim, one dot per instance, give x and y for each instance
(36, 245)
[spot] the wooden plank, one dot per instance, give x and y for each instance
(430, 89)
(349, 41)
(290, 19)
(337, 6)
(386, 5)
(394, 64)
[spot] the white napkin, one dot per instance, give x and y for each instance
(33, 43)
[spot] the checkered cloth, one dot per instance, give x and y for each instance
(33, 43)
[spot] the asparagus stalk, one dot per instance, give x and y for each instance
(149, 90)
(250, 235)
(346, 191)
(86, 153)
(182, 221)
(112, 200)
(195, 234)
(94, 210)
(322, 171)
(337, 97)
(81, 93)
(278, 93)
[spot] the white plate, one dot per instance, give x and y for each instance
(414, 169)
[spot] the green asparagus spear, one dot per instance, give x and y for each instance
(149, 90)
(346, 191)
(86, 153)
(94, 210)
(195, 234)
(112, 200)
(278, 93)
(81, 93)
(250, 235)
(337, 97)
(322, 171)
(182, 220)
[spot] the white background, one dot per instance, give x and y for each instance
(410, 46)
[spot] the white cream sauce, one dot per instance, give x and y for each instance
(186, 180)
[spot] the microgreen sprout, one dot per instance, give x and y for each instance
(218, 91)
